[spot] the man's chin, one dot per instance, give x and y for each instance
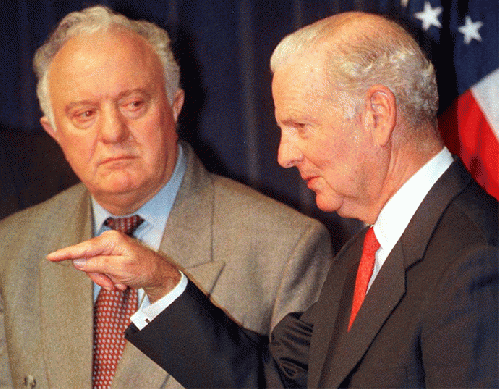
(115, 187)
(327, 204)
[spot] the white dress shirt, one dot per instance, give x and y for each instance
(398, 211)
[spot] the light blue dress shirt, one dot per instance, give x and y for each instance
(155, 213)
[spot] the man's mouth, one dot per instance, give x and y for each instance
(310, 180)
(117, 159)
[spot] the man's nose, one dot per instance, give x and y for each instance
(113, 126)
(288, 155)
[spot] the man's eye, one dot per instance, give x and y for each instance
(301, 127)
(134, 108)
(86, 114)
(134, 105)
(83, 118)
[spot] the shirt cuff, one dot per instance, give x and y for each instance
(148, 312)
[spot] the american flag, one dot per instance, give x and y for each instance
(462, 39)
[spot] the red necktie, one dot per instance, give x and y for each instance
(112, 313)
(364, 272)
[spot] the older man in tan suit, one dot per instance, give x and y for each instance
(110, 94)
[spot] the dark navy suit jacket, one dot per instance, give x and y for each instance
(430, 318)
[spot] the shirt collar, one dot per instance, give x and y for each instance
(155, 212)
(398, 211)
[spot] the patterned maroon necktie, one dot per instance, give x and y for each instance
(364, 272)
(112, 313)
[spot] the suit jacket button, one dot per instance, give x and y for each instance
(29, 381)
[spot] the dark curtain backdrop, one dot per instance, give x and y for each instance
(223, 47)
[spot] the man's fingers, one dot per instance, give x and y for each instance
(103, 244)
(120, 286)
(104, 270)
(73, 252)
(116, 261)
(107, 264)
(102, 280)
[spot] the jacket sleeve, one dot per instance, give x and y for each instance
(201, 347)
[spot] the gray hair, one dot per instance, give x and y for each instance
(95, 19)
(379, 52)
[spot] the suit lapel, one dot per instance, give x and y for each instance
(345, 349)
(383, 297)
(189, 231)
(328, 311)
(67, 305)
(189, 234)
(188, 241)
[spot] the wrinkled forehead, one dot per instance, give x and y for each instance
(104, 51)
(95, 66)
(112, 44)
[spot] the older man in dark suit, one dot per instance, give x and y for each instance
(409, 302)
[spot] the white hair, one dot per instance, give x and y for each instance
(383, 54)
(91, 20)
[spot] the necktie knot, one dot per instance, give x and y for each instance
(126, 225)
(364, 272)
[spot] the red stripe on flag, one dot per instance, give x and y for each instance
(467, 133)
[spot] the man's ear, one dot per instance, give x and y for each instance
(381, 113)
(45, 122)
(178, 103)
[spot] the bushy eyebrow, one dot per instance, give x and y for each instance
(126, 94)
(120, 96)
(302, 121)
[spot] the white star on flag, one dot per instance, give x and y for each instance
(429, 16)
(470, 30)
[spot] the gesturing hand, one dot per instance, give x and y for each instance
(114, 260)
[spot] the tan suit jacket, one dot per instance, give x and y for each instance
(256, 258)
